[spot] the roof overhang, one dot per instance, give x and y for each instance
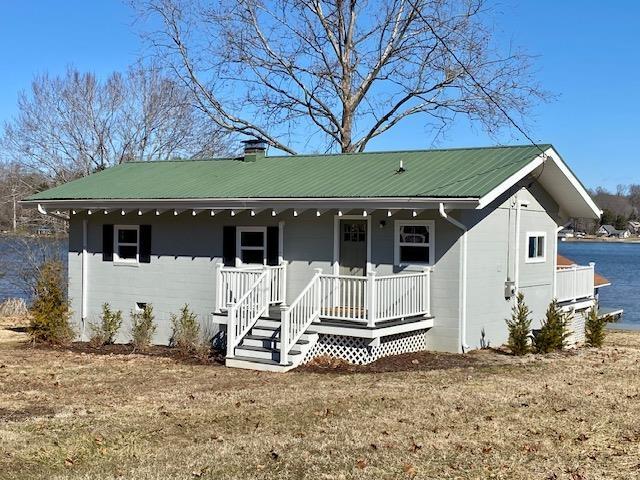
(558, 180)
(257, 203)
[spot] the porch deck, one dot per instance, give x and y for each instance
(350, 328)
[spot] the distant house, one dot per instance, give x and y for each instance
(613, 232)
(566, 233)
(356, 256)
(634, 227)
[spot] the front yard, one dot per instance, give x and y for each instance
(574, 415)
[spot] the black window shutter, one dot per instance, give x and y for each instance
(273, 240)
(229, 246)
(145, 244)
(107, 243)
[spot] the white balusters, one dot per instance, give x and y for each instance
(575, 282)
(296, 318)
(243, 314)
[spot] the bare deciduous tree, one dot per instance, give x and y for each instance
(349, 70)
(75, 124)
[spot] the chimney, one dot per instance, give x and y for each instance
(254, 149)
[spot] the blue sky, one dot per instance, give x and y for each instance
(589, 55)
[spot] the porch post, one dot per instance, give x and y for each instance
(284, 334)
(231, 330)
(427, 289)
(371, 299)
(283, 279)
(574, 268)
(218, 280)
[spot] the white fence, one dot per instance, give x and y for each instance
(574, 282)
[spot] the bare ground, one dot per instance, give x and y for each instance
(78, 415)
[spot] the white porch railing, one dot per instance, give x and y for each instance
(233, 282)
(398, 296)
(278, 283)
(243, 315)
(369, 299)
(297, 317)
(574, 282)
(375, 298)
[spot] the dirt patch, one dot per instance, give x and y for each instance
(22, 414)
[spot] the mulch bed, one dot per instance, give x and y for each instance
(417, 361)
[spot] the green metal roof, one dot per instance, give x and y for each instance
(463, 172)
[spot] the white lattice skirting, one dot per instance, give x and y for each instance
(576, 327)
(357, 350)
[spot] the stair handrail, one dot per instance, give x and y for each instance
(244, 313)
(296, 318)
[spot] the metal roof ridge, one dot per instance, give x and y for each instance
(341, 154)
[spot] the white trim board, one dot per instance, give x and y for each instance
(550, 173)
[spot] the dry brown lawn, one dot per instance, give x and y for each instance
(87, 416)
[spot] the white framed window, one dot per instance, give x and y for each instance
(536, 247)
(414, 242)
(126, 244)
(251, 245)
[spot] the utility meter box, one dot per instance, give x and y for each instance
(509, 289)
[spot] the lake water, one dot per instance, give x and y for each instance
(620, 264)
(17, 254)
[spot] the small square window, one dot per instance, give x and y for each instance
(251, 243)
(126, 244)
(536, 247)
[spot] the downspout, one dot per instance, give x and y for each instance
(516, 266)
(462, 322)
(85, 273)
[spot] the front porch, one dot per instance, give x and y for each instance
(263, 330)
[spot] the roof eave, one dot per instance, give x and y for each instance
(222, 203)
(572, 197)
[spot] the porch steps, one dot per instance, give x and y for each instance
(260, 348)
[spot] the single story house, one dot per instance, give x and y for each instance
(356, 255)
(613, 232)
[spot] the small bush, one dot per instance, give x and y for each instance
(50, 309)
(519, 327)
(142, 328)
(594, 329)
(186, 332)
(553, 334)
(105, 332)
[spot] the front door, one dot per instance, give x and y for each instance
(353, 247)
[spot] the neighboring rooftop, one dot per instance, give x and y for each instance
(446, 173)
